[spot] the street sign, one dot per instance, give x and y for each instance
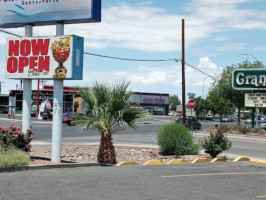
(249, 79)
(255, 100)
(191, 104)
(191, 95)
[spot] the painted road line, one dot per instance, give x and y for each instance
(214, 174)
(261, 196)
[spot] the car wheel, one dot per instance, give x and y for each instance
(199, 128)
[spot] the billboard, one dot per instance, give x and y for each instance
(17, 13)
(57, 57)
(255, 100)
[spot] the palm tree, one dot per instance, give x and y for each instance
(108, 110)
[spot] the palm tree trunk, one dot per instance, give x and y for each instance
(106, 152)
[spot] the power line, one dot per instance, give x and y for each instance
(131, 59)
(7, 32)
(198, 69)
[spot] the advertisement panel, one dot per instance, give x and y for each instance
(17, 13)
(255, 100)
(58, 57)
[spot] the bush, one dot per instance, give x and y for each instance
(13, 136)
(216, 143)
(13, 157)
(176, 139)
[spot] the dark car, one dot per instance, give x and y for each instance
(47, 115)
(33, 113)
(190, 123)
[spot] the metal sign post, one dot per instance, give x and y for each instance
(27, 87)
(57, 111)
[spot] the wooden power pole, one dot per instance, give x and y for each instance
(183, 73)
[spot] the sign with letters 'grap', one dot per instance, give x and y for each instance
(57, 57)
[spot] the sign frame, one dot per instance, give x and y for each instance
(252, 75)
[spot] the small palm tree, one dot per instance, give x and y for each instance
(108, 111)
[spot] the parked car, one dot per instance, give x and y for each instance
(189, 123)
(249, 120)
(263, 124)
(227, 119)
(68, 119)
(33, 113)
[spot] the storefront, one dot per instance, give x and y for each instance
(17, 96)
(154, 103)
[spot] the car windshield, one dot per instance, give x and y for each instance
(66, 115)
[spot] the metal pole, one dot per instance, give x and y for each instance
(27, 86)
(57, 111)
(38, 101)
(183, 73)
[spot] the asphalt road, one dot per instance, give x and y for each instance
(219, 181)
(144, 134)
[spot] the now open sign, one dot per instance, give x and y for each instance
(59, 57)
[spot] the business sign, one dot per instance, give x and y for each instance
(255, 100)
(16, 13)
(58, 57)
(149, 99)
(249, 79)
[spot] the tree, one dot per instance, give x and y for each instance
(173, 102)
(201, 105)
(223, 86)
(108, 111)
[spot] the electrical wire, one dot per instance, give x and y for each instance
(131, 59)
(7, 32)
(198, 69)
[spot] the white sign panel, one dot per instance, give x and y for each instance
(57, 57)
(15, 13)
(255, 100)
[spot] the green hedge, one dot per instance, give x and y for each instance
(13, 157)
(176, 139)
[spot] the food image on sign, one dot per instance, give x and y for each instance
(61, 50)
(56, 57)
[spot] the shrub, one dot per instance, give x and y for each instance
(13, 136)
(216, 143)
(225, 128)
(176, 139)
(13, 157)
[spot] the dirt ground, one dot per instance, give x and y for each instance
(41, 154)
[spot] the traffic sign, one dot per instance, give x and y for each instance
(191, 104)
(191, 95)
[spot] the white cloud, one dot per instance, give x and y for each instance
(206, 63)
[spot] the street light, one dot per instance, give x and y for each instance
(203, 87)
(246, 54)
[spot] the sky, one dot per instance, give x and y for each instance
(217, 34)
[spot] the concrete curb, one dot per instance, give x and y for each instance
(53, 166)
(239, 159)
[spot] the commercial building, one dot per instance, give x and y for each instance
(154, 103)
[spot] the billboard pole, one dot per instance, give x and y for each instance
(27, 86)
(57, 111)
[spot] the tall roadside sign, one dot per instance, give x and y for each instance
(57, 57)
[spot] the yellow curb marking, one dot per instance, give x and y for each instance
(214, 174)
(154, 162)
(263, 162)
(200, 160)
(218, 160)
(241, 159)
(127, 163)
(177, 161)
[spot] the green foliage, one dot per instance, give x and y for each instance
(173, 102)
(202, 105)
(246, 116)
(13, 157)
(216, 143)
(225, 128)
(176, 139)
(13, 136)
(108, 110)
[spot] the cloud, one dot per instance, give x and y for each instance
(206, 63)
(232, 47)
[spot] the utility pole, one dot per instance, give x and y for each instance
(183, 73)
(1, 87)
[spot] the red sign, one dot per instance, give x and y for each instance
(191, 104)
